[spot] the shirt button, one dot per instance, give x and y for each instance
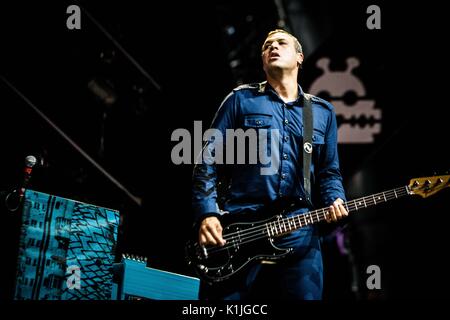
(286, 121)
(285, 156)
(258, 122)
(286, 138)
(283, 176)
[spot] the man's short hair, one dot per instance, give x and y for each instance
(298, 46)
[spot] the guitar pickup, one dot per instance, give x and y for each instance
(268, 262)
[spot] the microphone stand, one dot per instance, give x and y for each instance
(14, 199)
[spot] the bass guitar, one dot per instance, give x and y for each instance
(249, 241)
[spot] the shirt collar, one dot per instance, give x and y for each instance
(265, 87)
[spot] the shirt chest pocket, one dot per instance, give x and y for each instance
(257, 121)
(318, 138)
(318, 141)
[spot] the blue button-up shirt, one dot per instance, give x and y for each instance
(257, 107)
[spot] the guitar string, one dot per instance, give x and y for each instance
(260, 232)
(261, 229)
(248, 238)
(349, 204)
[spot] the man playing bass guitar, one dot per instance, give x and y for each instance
(303, 139)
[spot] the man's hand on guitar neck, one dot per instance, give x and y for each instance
(210, 232)
(336, 211)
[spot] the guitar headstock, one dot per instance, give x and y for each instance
(428, 186)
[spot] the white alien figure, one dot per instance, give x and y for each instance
(337, 84)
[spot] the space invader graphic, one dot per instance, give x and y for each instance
(337, 84)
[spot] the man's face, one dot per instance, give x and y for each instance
(279, 52)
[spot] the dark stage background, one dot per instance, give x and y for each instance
(194, 54)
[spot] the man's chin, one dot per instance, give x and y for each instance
(275, 66)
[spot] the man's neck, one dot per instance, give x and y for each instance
(286, 87)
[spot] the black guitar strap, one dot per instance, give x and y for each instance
(307, 144)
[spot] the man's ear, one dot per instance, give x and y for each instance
(300, 58)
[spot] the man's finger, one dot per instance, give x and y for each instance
(337, 210)
(332, 213)
(216, 234)
(328, 216)
(210, 239)
(343, 210)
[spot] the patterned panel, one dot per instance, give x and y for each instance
(92, 239)
(66, 249)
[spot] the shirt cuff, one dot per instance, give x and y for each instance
(206, 207)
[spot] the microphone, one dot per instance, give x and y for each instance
(30, 161)
(14, 199)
